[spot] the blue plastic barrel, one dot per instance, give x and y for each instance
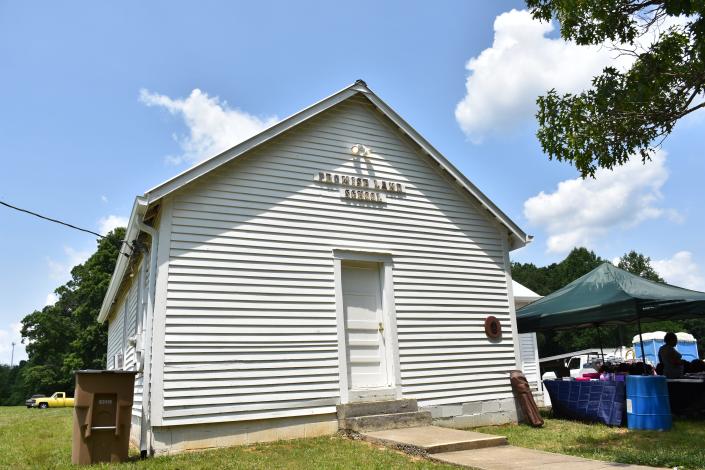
(647, 403)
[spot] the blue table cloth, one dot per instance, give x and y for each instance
(602, 402)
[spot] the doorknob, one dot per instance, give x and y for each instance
(381, 327)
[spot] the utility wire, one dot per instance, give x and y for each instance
(51, 220)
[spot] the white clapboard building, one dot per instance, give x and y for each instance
(334, 258)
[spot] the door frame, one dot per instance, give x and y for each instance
(389, 316)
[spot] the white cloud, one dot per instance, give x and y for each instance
(104, 198)
(580, 211)
(106, 224)
(213, 125)
(51, 299)
(7, 337)
(680, 270)
(61, 270)
(523, 63)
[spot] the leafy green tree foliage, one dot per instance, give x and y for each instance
(638, 264)
(625, 112)
(65, 336)
(550, 278)
(11, 389)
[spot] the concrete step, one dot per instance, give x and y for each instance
(352, 410)
(434, 439)
(386, 421)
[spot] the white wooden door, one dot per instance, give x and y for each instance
(364, 325)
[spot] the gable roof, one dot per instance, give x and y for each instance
(517, 237)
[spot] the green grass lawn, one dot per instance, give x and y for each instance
(41, 439)
(683, 446)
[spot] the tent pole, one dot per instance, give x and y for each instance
(641, 342)
(599, 338)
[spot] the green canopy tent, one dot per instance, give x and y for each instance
(608, 295)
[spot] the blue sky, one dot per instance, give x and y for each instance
(97, 104)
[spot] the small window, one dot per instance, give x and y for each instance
(117, 361)
(574, 363)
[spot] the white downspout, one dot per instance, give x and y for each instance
(146, 421)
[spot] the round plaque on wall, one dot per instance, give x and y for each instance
(493, 328)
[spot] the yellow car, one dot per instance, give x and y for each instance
(57, 400)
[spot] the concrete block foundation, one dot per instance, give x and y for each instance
(473, 414)
(175, 439)
(135, 427)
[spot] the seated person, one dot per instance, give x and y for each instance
(670, 358)
(695, 366)
(659, 368)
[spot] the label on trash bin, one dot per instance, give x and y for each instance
(629, 405)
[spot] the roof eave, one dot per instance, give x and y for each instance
(138, 210)
(518, 238)
(282, 126)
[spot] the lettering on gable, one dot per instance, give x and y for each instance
(360, 188)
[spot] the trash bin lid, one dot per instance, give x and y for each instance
(98, 371)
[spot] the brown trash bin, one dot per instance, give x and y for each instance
(102, 416)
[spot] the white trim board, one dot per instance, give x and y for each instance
(156, 397)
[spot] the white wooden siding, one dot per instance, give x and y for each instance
(116, 330)
(121, 327)
(250, 314)
(131, 323)
(529, 360)
(137, 399)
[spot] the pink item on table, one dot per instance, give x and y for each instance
(582, 379)
(591, 375)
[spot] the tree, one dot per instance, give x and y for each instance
(638, 264)
(547, 279)
(629, 112)
(65, 336)
(579, 262)
(9, 383)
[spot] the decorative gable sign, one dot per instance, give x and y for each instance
(360, 188)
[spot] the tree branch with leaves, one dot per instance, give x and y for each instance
(628, 113)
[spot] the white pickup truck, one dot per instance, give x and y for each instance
(583, 364)
(578, 363)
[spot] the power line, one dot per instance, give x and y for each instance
(51, 220)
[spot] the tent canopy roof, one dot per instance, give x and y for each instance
(609, 295)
